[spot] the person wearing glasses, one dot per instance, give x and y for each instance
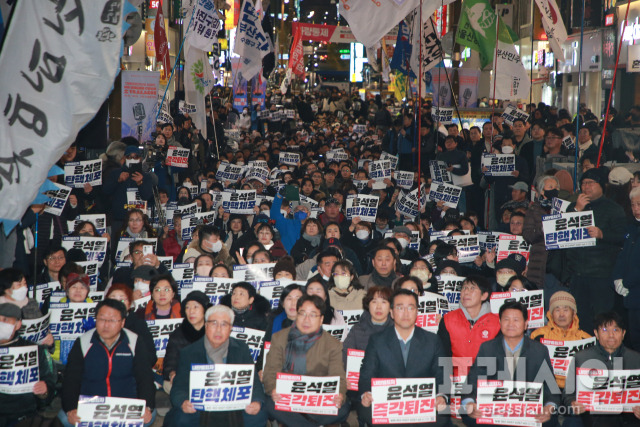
(215, 347)
(305, 349)
(107, 361)
(53, 261)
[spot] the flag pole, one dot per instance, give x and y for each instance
(576, 146)
(531, 68)
(419, 107)
(495, 79)
(175, 63)
(213, 120)
(613, 84)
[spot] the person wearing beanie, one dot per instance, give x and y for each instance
(249, 307)
(77, 288)
(563, 324)
(589, 269)
(194, 306)
(285, 268)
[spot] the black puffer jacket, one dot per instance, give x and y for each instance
(255, 317)
(359, 335)
(180, 338)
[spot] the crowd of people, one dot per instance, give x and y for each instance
(330, 263)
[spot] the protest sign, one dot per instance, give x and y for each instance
(468, 247)
(35, 330)
(98, 220)
(354, 362)
(533, 300)
(568, 230)
(229, 172)
(569, 143)
(271, 291)
(339, 332)
(458, 384)
(608, 391)
(359, 129)
(77, 174)
(44, 290)
(337, 155)
(379, 170)
(450, 286)
(431, 307)
(183, 274)
(447, 193)
(408, 203)
(290, 159)
(134, 200)
(306, 394)
(94, 248)
(110, 411)
(393, 159)
(258, 164)
(512, 112)
(213, 287)
(403, 400)
(258, 174)
(160, 330)
(177, 157)
(91, 269)
(404, 179)
(253, 272)
(442, 115)
(67, 322)
(19, 369)
(185, 210)
(221, 387)
(190, 222)
(58, 198)
(509, 244)
(251, 337)
(562, 352)
(498, 164)
(509, 402)
(239, 201)
(488, 240)
(140, 302)
(559, 206)
(439, 172)
(363, 206)
(351, 317)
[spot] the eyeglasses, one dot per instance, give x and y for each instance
(407, 308)
(614, 329)
(108, 321)
(215, 324)
(163, 290)
(135, 219)
(56, 258)
(312, 316)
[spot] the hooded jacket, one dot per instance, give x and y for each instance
(255, 317)
(359, 335)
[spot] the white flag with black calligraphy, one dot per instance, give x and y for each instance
(513, 80)
(252, 43)
(205, 25)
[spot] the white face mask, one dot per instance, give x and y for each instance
(362, 234)
(421, 274)
(266, 212)
(217, 246)
(141, 286)
(19, 294)
(6, 330)
(240, 163)
(326, 278)
(130, 162)
(507, 150)
(503, 278)
(342, 282)
(403, 242)
(203, 270)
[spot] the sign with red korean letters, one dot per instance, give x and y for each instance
(509, 244)
(178, 157)
(533, 300)
(354, 362)
(213, 287)
(509, 403)
(307, 395)
(221, 387)
(18, 369)
(431, 307)
(403, 400)
(363, 206)
(511, 113)
(160, 330)
(498, 164)
(253, 338)
(108, 411)
(601, 390)
(561, 352)
(77, 174)
(568, 230)
(447, 193)
(450, 286)
(35, 330)
(457, 387)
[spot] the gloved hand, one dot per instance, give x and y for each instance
(620, 289)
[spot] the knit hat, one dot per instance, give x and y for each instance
(10, 310)
(598, 175)
(515, 262)
(620, 176)
(144, 272)
(197, 296)
(74, 278)
(285, 264)
(403, 230)
(131, 149)
(561, 298)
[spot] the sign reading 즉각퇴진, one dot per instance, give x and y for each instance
(306, 394)
(403, 400)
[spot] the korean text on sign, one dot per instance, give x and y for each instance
(18, 369)
(77, 174)
(307, 395)
(450, 286)
(498, 164)
(160, 330)
(94, 248)
(253, 338)
(221, 387)
(561, 352)
(608, 391)
(568, 230)
(178, 157)
(439, 172)
(441, 192)
(430, 307)
(403, 400)
(229, 172)
(363, 206)
(468, 247)
(533, 300)
(239, 201)
(509, 244)
(354, 363)
(213, 287)
(509, 402)
(110, 411)
(512, 112)
(35, 330)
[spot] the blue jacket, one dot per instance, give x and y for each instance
(123, 371)
(289, 228)
(627, 267)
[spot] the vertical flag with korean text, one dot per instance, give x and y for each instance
(402, 54)
(296, 57)
(160, 42)
(206, 23)
(553, 25)
(424, 35)
(59, 61)
(252, 43)
(512, 79)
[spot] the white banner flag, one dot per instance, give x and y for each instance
(513, 79)
(198, 82)
(252, 44)
(46, 100)
(553, 25)
(205, 25)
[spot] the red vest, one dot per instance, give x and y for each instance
(466, 340)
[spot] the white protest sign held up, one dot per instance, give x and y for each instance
(221, 387)
(568, 230)
(439, 172)
(177, 157)
(500, 400)
(239, 201)
(533, 300)
(77, 174)
(58, 198)
(562, 352)
(120, 411)
(19, 369)
(447, 193)
(498, 164)
(306, 394)
(512, 112)
(363, 206)
(403, 400)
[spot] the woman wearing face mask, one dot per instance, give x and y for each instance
(345, 290)
(422, 270)
(331, 316)
(250, 308)
(539, 258)
(203, 265)
(361, 239)
(14, 290)
(246, 257)
(309, 241)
